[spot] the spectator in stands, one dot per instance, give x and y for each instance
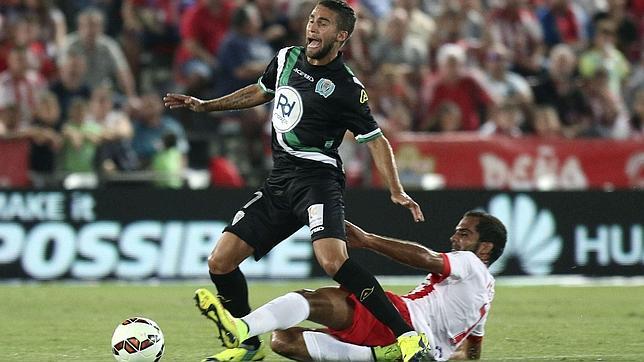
(82, 136)
(396, 46)
(103, 54)
(459, 22)
(19, 34)
(454, 83)
(502, 83)
(151, 125)
(392, 99)
(71, 83)
(504, 121)
(203, 27)
(609, 119)
(420, 25)
(243, 56)
(506, 85)
(635, 79)
(116, 148)
(628, 26)
(4, 45)
(45, 139)
(168, 163)
(274, 23)
(637, 115)
(604, 55)
(448, 119)
(244, 53)
(378, 8)
(24, 30)
(150, 34)
(558, 87)
(513, 25)
(297, 21)
(546, 123)
(20, 87)
(8, 121)
(563, 21)
(357, 51)
(111, 9)
(51, 23)
(8, 17)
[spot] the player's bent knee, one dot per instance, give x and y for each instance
(279, 342)
(284, 342)
(331, 266)
(220, 265)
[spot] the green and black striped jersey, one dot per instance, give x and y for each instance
(313, 108)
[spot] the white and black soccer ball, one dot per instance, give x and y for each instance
(138, 339)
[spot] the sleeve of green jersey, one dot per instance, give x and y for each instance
(267, 81)
(360, 121)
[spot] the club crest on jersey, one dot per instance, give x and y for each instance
(287, 109)
(324, 87)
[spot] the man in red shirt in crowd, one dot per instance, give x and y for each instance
(203, 27)
(453, 84)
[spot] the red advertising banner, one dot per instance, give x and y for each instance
(472, 161)
(14, 163)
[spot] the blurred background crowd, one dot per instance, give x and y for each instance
(82, 80)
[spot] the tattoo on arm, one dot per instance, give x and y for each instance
(247, 97)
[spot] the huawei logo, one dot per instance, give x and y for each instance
(532, 235)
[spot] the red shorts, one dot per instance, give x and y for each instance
(366, 330)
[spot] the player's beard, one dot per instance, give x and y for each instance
(321, 53)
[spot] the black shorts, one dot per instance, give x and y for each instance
(280, 208)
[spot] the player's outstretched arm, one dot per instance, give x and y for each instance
(247, 97)
(404, 252)
(383, 156)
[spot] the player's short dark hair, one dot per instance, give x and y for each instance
(346, 15)
(492, 230)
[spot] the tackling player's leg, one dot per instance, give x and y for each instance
(304, 345)
(333, 258)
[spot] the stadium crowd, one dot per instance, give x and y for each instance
(82, 79)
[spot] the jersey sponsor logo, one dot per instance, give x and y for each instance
(316, 218)
(532, 237)
(304, 75)
(287, 109)
(363, 96)
(316, 215)
(324, 87)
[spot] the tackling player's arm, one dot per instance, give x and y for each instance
(405, 252)
(383, 157)
(247, 97)
(470, 349)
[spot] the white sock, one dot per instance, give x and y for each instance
(323, 347)
(280, 313)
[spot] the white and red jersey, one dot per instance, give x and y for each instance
(453, 305)
(22, 93)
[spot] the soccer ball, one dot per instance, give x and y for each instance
(138, 340)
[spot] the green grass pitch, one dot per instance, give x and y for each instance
(69, 322)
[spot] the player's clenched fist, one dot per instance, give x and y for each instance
(173, 100)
